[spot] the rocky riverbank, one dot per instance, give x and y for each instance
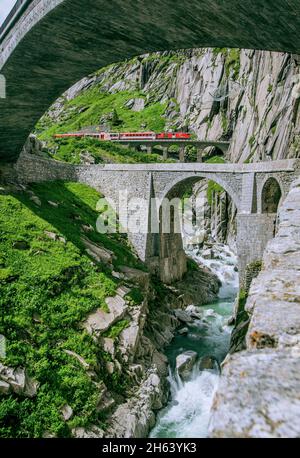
(150, 391)
(86, 349)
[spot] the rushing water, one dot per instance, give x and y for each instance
(188, 411)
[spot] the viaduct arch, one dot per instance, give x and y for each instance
(54, 43)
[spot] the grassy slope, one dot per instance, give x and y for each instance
(86, 110)
(45, 291)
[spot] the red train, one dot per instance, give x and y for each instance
(111, 136)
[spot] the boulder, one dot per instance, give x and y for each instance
(87, 158)
(100, 320)
(36, 200)
(67, 412)
(136, 418)
(21, 245)
(53, 204)
(231, 321)
(109, 345)
(138, 276)
(185, 362)
(137, 104)
(18, 380)
(183, 331)
(79, 358)
(51, 235)
(129, 338)
(208, 363)
(93, 432)
(97, 252)
(55, 237)
(87, 228)
(4, 387)
(110, 367)
(183, 316)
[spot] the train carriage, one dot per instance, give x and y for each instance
(128, 136)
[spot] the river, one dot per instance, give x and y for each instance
(188, 411)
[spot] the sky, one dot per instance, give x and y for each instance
(5, 7)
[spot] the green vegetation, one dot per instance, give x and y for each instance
(70, 150)
(242, 299)
(47, 287)
(252, 140)
(232, 61)
(134, 297)
(192, 265)
(91, 105)
(88, 109)
(116, 329)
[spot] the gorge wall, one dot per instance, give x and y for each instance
(250, 98)
(259, 391)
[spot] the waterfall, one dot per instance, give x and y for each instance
(188, 412)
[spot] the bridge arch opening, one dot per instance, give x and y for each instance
(271, 196)
(206, 214)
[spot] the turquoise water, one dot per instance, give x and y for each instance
(188, 411)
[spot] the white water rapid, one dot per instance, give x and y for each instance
(188, 412)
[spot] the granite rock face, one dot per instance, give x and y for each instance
(184, 363)
(135, 418)
(250, 98)
(259, 389)
(258, 396)
(16, 380)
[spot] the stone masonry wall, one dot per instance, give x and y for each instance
(258, 395)
(253, 233)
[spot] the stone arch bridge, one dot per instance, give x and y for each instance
(48, 45)
(246, 184)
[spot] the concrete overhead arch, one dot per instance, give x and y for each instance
(54, 43)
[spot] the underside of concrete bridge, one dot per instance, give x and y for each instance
(54, 43)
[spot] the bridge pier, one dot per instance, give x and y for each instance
(165, 151)
(181, 154)
(199, 155)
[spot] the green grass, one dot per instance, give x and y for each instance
(232, 61)
(69, 150)
(86, 110)
(46, 290)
